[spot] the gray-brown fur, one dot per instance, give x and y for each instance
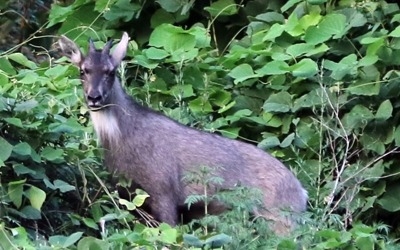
(155, 151)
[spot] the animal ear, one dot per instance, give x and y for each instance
(120, 50)
(70, 50)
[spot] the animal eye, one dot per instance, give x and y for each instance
(84, 71)
(111, 73)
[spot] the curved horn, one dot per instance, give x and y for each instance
(107, 47)
(120, 50)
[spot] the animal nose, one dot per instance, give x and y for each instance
(94, 98)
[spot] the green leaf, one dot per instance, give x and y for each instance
(122, 9)
(22, 148)
(395, 32)
(289, 4)
(199, 105)
(23, 60)
(181, 55)
(299, 49)
(275, 31)
(218, 240)
(6, 66)
(315, 98)
(371, 40)
(241, 73)
(270, 17)
(375, 172)
(63, 186)
(397, 136)
(390, 200)
(20, 169)
(192, 241)
(202, 36)
(145, 62)
(160, 17)
(316, 2)
(365, 243)
(168, 235)
(15, 192)
(90, 223)
(305, 68)
(72, 239)
(220, 98)
(372, 142)
(155, 54)
(231, 132)
(6, 149)
(65, 241)
(280, 102)
(357, 18)
(14, 121)
(129, 205)
(332, 25)
(59, 14)
(36, 196)
(6, 240)
(384, 111)
(182, 91)
(287, 141)
(222, 8)
(170, 5)
(368, 60)
(172, 38)
(364, 88)
(30, 78)
(287, 244)
(358, 117)
(269, 142)
(92, 243)
(26, 105)
(52, 154)
(57, 72)
(140, 197)
(347, 66)
(102, 5)
(31, 213)
(273, 68)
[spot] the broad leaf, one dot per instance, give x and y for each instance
(241, 73)
(222, 8)
(36, 196)
(384, 111)
(6, 149)
(279, 102)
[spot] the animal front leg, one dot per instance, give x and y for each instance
(164, 209)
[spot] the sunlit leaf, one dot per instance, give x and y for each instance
(36, 196)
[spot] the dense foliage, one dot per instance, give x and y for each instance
(315, 83)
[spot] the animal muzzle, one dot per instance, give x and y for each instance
(95, 100)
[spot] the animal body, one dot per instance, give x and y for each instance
(156, 151)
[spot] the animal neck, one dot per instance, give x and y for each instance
(106, 120)
(106, 125)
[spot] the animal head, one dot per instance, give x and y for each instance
(97, 68)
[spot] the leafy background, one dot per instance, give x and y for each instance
(315, 83)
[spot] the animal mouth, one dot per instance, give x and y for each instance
(95, 106)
